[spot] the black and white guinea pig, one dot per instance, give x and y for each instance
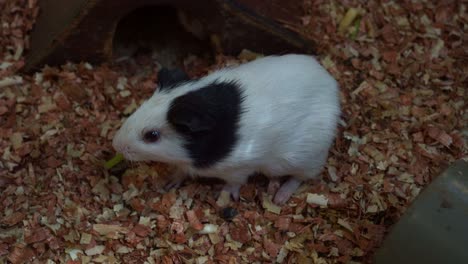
(276, 115)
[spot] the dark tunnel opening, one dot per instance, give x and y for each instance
(159, 33)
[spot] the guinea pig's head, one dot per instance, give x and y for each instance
(192, 122)
(147, 135)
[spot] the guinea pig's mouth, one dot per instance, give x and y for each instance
(131, 156)
(124, 148)
(138, 156)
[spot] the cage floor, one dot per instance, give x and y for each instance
(402, 71)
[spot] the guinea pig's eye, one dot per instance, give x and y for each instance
(151, 136)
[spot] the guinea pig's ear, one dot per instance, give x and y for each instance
(168, 79)
(187, 119)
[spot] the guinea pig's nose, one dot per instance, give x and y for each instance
(120, 145)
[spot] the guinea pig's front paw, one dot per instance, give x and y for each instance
(176, 181)
(173, 183)
(233, 190)
(286, 191)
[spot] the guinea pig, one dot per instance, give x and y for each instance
(276, 115)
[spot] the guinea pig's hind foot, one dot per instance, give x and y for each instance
(233, 190)
(286, 190)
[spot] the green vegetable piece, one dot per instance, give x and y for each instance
(357, 24)
(114, 161)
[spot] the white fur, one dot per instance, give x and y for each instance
(292, 110)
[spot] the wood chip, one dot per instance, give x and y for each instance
(317, 199)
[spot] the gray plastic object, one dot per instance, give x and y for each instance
(434, 229)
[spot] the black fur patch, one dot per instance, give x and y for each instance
(169, 79)
(208, 119)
